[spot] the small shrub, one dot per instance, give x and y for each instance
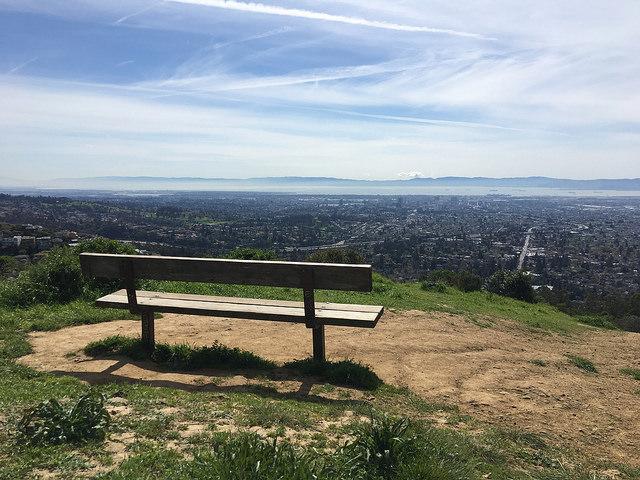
(632, 372)
(436, 287)
(382, 446)
(515, 285)
(583, 363)
(463, 281)
(247, 253)
(49, 423)
(336, 255)
(344, 372)
(539, 362)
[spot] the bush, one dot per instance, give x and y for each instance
(246, 253)
(463, 281)
(336, 255)
(56, 278)
(105, 245)
(344, 372)
(49, 423)
(515, 285)
(437, 287)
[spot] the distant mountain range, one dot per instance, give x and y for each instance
(170, 183)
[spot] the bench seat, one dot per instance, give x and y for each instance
(337, 314)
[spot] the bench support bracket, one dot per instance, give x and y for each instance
(148, 330)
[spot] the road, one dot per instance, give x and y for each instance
(525, 249)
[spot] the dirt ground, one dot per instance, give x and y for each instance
(486, 371)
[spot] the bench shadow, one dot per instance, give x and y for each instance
(303, 392)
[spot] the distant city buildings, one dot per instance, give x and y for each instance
(576, 246)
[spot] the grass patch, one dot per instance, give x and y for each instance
(597, 321)
(539, 362)
(344, 372)
(583, 363)
(632, 372)
(186, 357)
(276, 414)
(49, 423)
(179, 357)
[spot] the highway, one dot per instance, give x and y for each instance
(525, 249)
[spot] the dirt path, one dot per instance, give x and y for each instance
(487, 372)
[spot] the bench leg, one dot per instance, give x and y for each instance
(318, 344)
(148, 330)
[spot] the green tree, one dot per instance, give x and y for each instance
(511, 284)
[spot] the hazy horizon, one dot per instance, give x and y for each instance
(346, 89)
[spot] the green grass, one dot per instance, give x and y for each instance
(632, 372)
(400, 296)
(583, 363)
(16, 323)
(158, 451)
(179, 357)
(597, 321)
(344, 372)
(186, 357)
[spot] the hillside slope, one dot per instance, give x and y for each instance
(496, 370)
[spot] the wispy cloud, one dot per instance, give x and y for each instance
(327, 17)
(17, 68)
(136, 13)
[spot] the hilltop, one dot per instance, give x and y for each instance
(498, 388)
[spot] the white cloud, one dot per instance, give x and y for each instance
(327, 17)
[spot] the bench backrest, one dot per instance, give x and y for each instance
(303, 275)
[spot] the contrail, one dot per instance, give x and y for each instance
(21, 66)
(327, 17)
(127, 17)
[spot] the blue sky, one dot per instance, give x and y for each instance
(346, 88)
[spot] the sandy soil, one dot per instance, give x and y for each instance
(487, 372)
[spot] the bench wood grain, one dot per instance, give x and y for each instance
(335, 314)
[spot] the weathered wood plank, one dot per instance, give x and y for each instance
(252, 301)
(245, 272)
(280, 313)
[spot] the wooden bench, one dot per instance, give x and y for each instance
(306, 276)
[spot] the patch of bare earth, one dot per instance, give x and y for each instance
(487, 372)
